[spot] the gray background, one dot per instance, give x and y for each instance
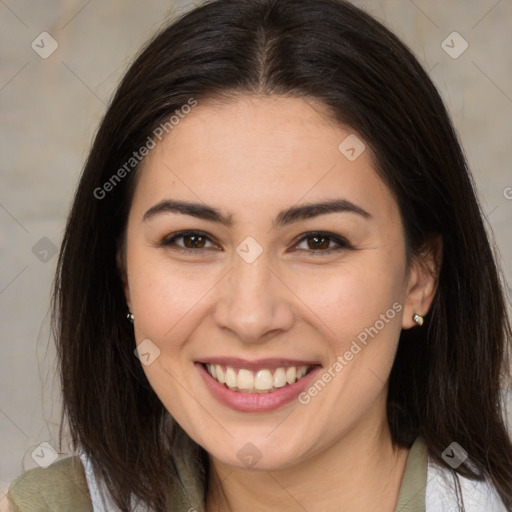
(50, 109)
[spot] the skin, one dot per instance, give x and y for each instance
(250, 158)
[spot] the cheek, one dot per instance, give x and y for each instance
(165, 296)
(358, 311)
(354, 296)
(167, 302)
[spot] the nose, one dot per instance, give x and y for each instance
(253, 302)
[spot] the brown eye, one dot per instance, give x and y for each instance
(191, 240)
(318, 242)
(321, 243)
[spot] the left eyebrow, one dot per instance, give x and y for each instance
(285, 217)
(311, 210)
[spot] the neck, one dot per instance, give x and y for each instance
(362, 471)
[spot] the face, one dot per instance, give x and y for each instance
(263, 286)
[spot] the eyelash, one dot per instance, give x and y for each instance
(343, 244)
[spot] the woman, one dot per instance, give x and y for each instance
(275, 290)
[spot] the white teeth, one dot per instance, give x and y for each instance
(301, 372)
(231, 380)
(220, 373)
(245, 380)
(261, 381)
(291, 374)
(280, 378)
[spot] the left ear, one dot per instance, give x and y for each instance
(422, 281)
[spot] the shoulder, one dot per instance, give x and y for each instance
(443, 493)
(59, 488)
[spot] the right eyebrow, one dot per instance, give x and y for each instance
(200, 211)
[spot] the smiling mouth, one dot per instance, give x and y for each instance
(263, 380)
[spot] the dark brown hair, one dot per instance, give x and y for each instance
(445, 382)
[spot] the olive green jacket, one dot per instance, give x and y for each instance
(62, 487)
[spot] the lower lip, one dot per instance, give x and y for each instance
(255, 402)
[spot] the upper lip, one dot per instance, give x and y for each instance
(237, 362)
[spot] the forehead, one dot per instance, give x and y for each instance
(257, 152)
